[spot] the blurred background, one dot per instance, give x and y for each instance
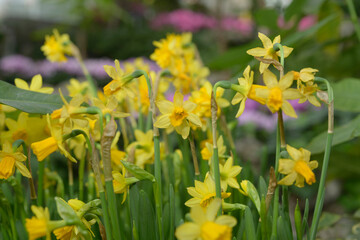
(325, 35)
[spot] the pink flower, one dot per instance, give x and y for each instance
(307, 22)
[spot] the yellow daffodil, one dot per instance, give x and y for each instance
(29, 129)
(71, 232)
(3, 110)
(228, 174)
(119, 85)
(75, 87)
(277, 93)
(9, 160)
(305, 75)
(267, 51)
(207, 151)
(298, 168)
(121, 184)
(307, 92)
(243, 187)
(71, 114)
(116, 154)
(306, 86)
(206, 225)
(40, 225)
(177, 115)
(203, 193)
(45, 147)
(56, 47)
(35, 85)
(202, 98)
(144, 148)
(111, 107)
(170, 48)
(246, 89)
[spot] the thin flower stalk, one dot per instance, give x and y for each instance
(194, 157)
(215, 167)
(330, 133)
(280, 141)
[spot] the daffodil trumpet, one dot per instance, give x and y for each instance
(321, 192)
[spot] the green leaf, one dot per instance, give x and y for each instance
(249, 224)
(253, 195)
(28, 101)
(342, 134)
(65, 211)
(346, 95)
(328, 219)
(138, 172)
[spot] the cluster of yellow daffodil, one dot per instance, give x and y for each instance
(132, 92)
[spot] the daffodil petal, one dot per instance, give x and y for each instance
(237, 98)
(189, 106)
(241, 109)
(163, 121)
(257, 52)
(291, 94)
(286, 81)
(226, 220)
(270, 79)
(267, 43)
(193, 118)
(22, 169)
(165, 106)
(188, 231)
(36, 82)
(289, 179)
(21, 84)
(288, 109)
(286, 166)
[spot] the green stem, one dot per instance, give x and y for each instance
(277, 47)
(105, 215)
(114, 214)
(92, 84)
(71, 179)
(215, 160)
(276, 196)
(320, 196)
(194, 157)
(81, 177)
(354, 17)
(40, 194)
(158, 185)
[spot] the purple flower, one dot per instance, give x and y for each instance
(307, 22)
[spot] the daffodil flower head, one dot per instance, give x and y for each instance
(118, 86)
(228, 173)
(177, 114)
(202, 98)
(205, 225)
(45, 147)
(144, 148)
(306, 75)
(207, 151)
(298, 168)
(9, 160)
(40, 224)
(35, 85)
(75, 87)
(57, 46)
(71, 113)
(244, 90)
(121, 184)
(278, 92)
(267, 51)
(203, 193)
(244, 187)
